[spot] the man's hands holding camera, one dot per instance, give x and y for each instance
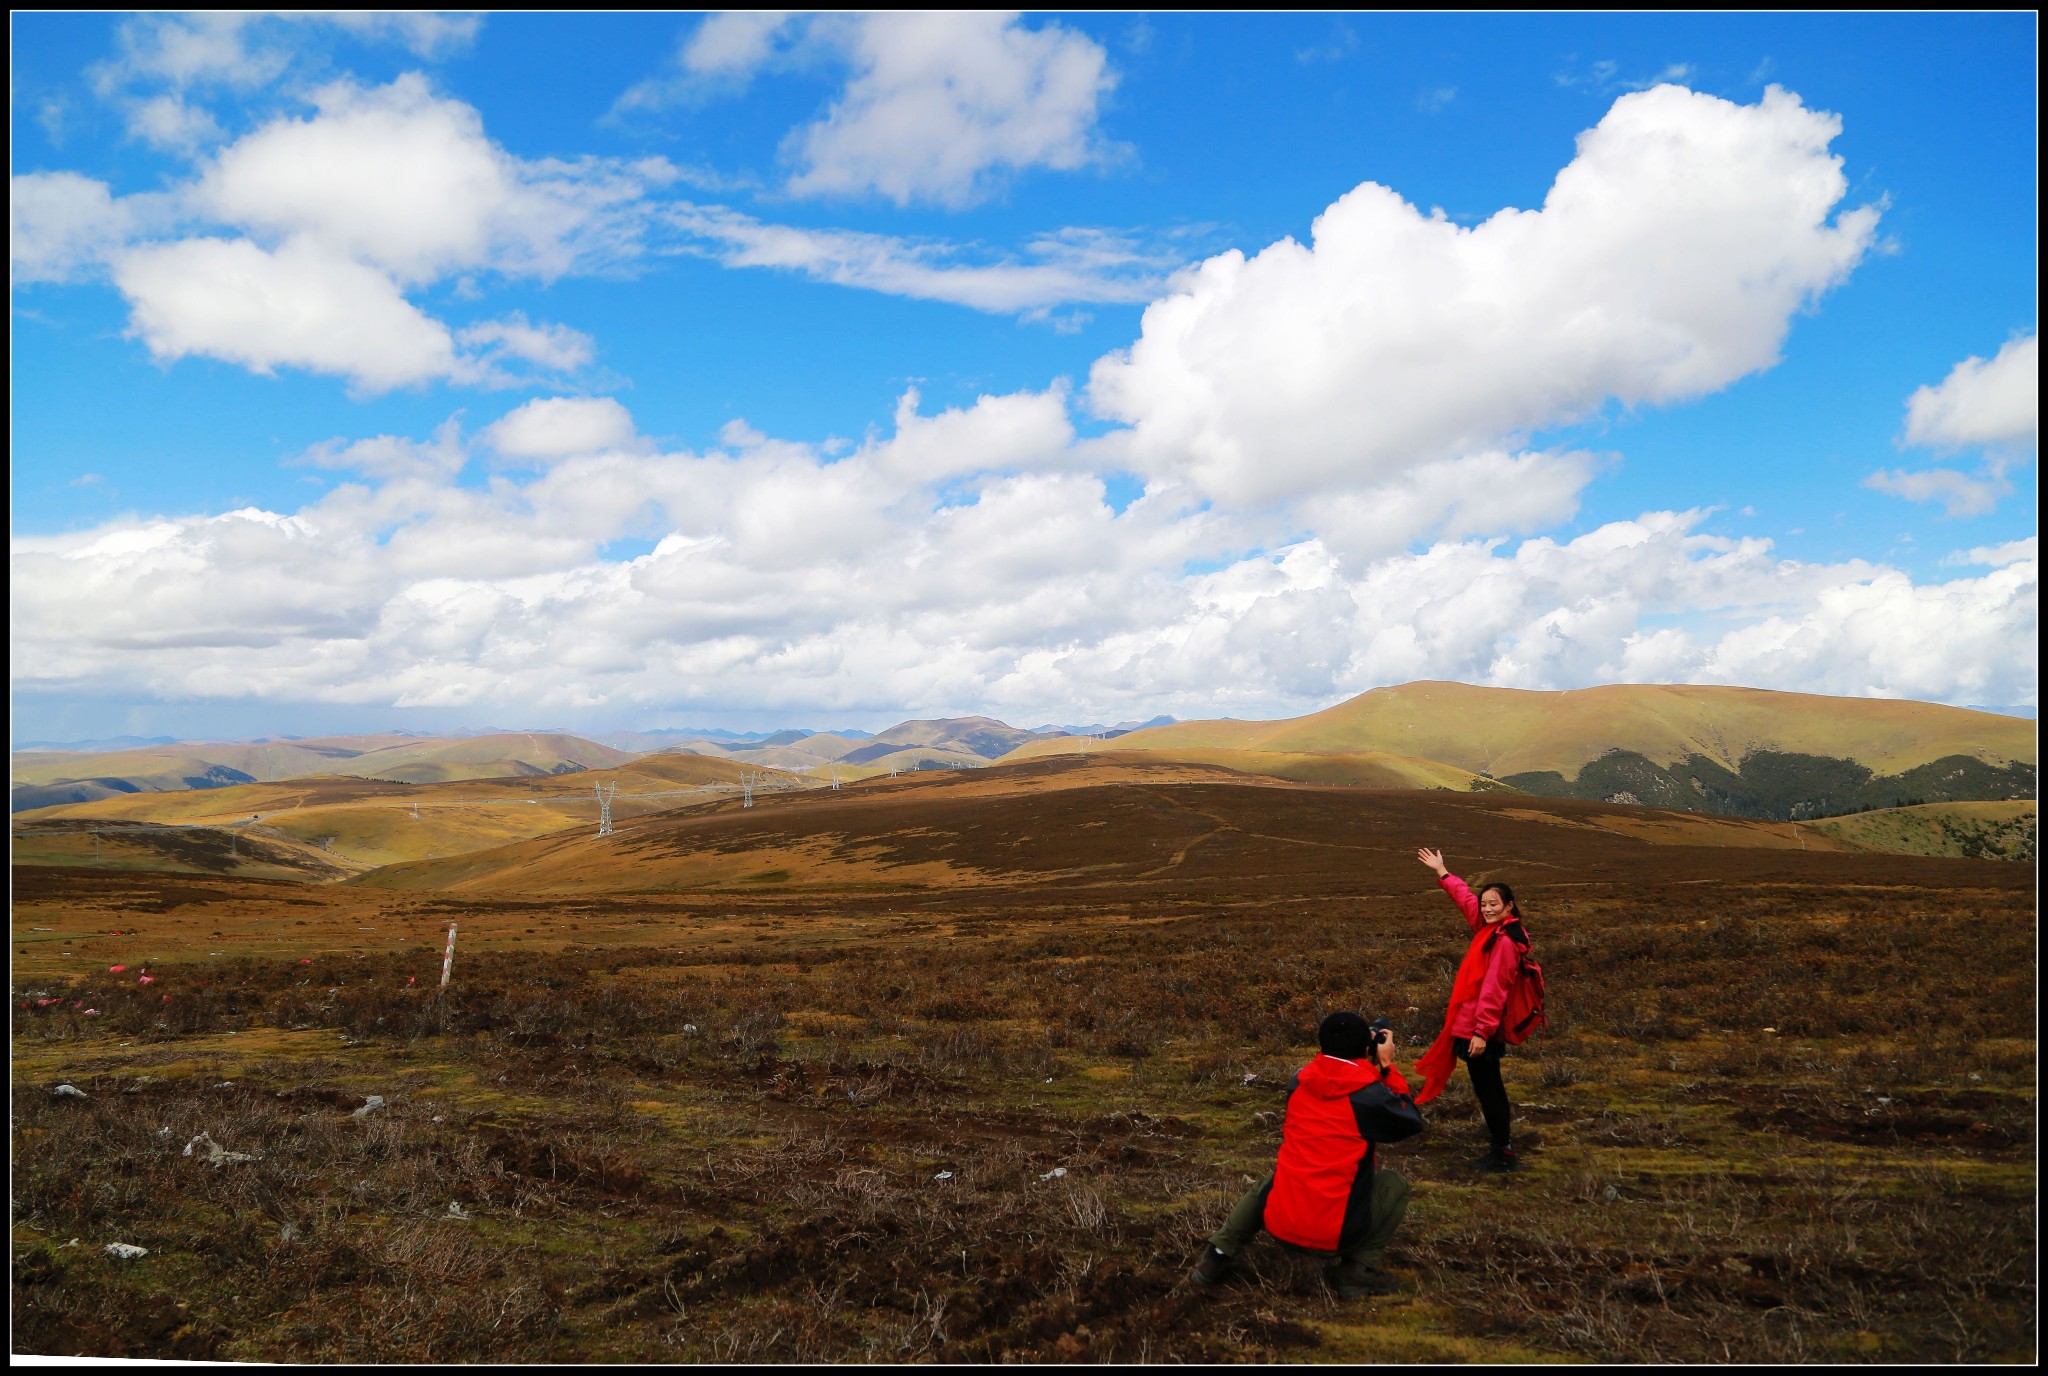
(1382, 1044)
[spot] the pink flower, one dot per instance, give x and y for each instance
(146, 979)
(167, 998)
(92, 1012)
(115, 969)
(410, 979)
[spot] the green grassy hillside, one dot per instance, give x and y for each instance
(1780, 785)
(1976, 831)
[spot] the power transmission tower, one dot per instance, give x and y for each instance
(748, 778)
(604, 807)
(835, 778)
(415, 812)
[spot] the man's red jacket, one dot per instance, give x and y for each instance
(1337, 1112)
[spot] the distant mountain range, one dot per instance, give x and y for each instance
(1734, 751)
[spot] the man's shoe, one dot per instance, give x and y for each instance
(1213, 1269)
(1357, 1280)
(1498, 1160)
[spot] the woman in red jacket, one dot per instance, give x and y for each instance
(1472, 1022)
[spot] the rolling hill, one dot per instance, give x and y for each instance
(44, 779)
(1976, 831)
(368, 822)
(241, 852)
(1070, 822)
(1737, 751)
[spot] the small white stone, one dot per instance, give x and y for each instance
(1054, 1174)
(125, 1251)
(943, 1175)
(69, 1092)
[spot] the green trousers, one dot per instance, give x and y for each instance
(1389, 1205)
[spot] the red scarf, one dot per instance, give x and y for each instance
(1437, 1063)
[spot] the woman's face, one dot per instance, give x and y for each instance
(1491, 909)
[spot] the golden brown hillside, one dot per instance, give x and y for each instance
(368, 822)
(482, 757)
(172, 766)
(1072, 823)
(1504, 731)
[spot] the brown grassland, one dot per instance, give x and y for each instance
(965, 1068)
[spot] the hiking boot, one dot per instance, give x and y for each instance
(1357, 1280)
(1213, 1269)
(1498, 1160)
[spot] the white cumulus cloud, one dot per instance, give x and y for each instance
(906, 576)
(338, 214)
(393, 176)
(943, 105)
(301, 306)
(559, 427)
(60, 223)
(1958, 492)
(1667, 261)
(1982, 404)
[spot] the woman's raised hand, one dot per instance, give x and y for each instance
(1434, 859)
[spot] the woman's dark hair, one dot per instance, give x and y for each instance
(1507, 896)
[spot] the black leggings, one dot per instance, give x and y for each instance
(1486, 1083)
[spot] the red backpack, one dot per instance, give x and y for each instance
(1523, 1013)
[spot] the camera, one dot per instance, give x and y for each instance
(1379, 1034)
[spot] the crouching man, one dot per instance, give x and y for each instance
(1327, 1194)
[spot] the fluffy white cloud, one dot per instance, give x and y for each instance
(1667, 261)
(1305, 418)
(732, 43)
(1981, 404)
(1492, 493)
(942, 105)
(1998, 556)
(788, 580)
(59, 223)
(170, 122)
(1970, 640)
(399, 177)
(552, 348)
(379, 190)
(1020, 430)
(302, 306)
(180, 55)
(561, 427)
(392, 176)
(720, 56)
(1959, 493)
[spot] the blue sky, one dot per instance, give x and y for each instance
(636, 303)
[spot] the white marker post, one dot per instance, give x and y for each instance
(448, 961)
